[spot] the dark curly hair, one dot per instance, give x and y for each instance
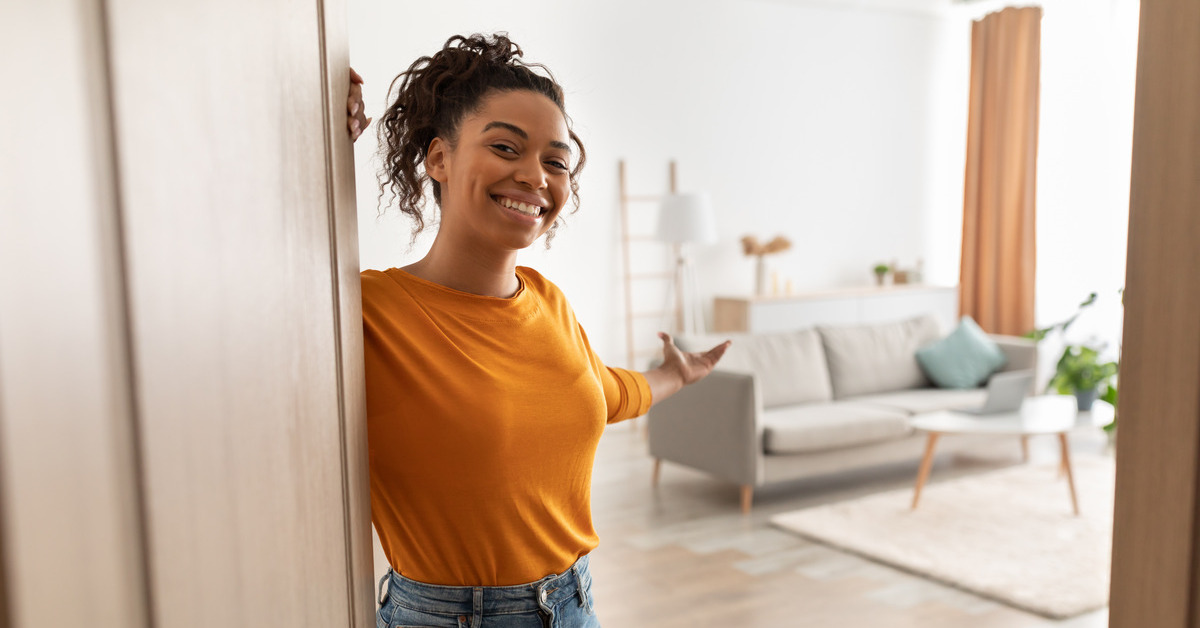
(435, 93)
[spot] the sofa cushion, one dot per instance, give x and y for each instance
(877, 358)
(964, 359)
(823, 426)
(923, 400)
(790, 367)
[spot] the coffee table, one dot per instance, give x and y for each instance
(1050, 414)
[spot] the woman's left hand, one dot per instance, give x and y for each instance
(692, 367)
(356, 118)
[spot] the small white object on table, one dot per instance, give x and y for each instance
(1051, 414)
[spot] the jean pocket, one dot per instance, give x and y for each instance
(403, 617)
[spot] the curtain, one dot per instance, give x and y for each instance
(996, 282)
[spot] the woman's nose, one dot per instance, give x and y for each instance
(531, 173)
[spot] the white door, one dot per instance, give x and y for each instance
(182, 440)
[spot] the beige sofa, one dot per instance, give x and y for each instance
(783, 406)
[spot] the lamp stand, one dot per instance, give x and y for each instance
(689, 319)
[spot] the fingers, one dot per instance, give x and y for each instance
(357, 121)
(716, 352)
(354, 100)
(357, 124)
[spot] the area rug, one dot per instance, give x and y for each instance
(1008, 535)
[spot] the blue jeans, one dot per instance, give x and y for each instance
(556, 601)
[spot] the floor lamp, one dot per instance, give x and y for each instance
(685, 219)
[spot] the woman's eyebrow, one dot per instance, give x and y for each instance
(505, 125)
(496, 124)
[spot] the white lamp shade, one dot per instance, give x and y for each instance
(687, 218)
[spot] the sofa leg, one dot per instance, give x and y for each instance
(657, 470)
(747, 498)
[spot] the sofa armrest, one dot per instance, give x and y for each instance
(1022, 353)
(712, 425)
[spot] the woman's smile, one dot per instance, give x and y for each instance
(526, 206)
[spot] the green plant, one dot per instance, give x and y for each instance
(1039, 334)
(1110, 396)
(1080, 369)
(882, 269)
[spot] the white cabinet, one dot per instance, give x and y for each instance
(850, 306)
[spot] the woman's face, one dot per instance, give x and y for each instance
(507, 179)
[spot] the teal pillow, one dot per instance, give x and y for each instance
(964, 359)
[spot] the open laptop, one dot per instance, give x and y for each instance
(1005, 393)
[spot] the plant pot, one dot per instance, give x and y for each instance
(880, 278)
(1085, 398)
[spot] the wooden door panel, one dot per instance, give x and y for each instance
(69, 516)
(221, 124)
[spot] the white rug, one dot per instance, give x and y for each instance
(1009, 535)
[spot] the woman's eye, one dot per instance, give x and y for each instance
(557, 165)
(504, 148)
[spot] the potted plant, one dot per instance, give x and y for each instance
(881, 271)
(1081, 373)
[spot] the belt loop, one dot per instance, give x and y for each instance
(580, 588)
(379, 594)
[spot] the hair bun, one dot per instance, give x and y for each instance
(496, 48)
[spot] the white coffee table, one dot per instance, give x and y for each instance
(1051, 414)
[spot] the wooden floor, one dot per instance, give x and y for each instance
(683, 555)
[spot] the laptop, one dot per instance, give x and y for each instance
(1005, 393)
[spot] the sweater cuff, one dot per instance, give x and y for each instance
(635, 398)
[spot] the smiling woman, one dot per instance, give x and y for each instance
(485, 401)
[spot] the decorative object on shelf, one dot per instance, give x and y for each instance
(1081, 373)
(881, 273)
(902, 276)
(751, 246)
(685, 219)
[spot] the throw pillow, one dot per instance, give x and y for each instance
(964, 359)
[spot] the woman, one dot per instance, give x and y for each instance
(485, 402)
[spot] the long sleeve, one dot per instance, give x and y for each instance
(626, 393)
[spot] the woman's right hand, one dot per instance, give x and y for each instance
(357, 120)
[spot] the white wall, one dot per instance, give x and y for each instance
(840, 126)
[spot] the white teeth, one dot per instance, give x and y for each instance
(528, 210)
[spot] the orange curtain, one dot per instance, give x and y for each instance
(996, 282)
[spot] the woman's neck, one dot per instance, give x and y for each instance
(468, 269)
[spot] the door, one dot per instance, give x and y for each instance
(181, 416)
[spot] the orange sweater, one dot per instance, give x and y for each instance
(483, 417)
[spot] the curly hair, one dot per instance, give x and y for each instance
(435, 94)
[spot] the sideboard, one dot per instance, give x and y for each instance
(847, 306)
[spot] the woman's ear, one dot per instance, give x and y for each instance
(435, 160)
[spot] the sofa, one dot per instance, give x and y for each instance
(784, 406)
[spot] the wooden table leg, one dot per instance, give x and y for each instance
(1066, 465)
(926, 463)
(1025, 448)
